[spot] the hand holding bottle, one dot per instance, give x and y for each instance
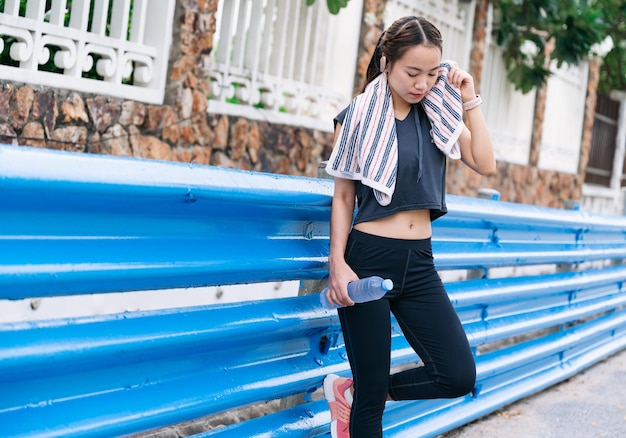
(363, 290)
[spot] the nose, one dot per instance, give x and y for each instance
(420, 84)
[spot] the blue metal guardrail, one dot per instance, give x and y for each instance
(78, 224)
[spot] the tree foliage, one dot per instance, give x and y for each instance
(333, 5)
(613, 72)
(574, 27)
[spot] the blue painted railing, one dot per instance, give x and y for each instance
(75, 224)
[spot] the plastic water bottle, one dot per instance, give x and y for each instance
(363, 290)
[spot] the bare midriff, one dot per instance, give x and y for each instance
(414, 224)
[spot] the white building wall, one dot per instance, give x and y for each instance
(602, 200)
(344, 53)
(561, 141)
(508, 112)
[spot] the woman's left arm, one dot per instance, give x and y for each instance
(475, 140)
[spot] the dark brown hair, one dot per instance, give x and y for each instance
(403, 34)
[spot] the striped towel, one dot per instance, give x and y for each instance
(444, 108)
(366, 148)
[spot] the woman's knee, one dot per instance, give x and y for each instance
(461, 382)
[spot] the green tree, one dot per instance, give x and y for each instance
(333, 5)
(613, 71)
(533, 33)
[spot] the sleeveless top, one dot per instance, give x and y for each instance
(421, 172)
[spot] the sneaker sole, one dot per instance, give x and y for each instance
(329, 392)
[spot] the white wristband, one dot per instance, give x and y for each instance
(472, 103)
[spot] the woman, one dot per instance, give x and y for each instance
(390, 153)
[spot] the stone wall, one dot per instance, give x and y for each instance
(181, 130)
(56, 119)
(521, 184)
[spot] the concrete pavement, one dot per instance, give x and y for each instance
(588, 405)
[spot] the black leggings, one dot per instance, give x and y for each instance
(428, 321)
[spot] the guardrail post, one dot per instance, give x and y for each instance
(491, 194)
(571, 204)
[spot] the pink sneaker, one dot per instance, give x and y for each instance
(339, 397)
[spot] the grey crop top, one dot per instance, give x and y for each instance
(418, 187)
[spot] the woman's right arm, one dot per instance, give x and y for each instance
(342, 212)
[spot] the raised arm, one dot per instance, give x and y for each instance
(475, 140)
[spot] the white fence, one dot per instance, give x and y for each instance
(281, 56)
(453, 18)
(115, 47)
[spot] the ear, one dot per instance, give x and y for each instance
(383, 63)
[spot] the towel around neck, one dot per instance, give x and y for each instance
(366, 147)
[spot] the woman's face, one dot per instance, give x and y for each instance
(413, 75)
